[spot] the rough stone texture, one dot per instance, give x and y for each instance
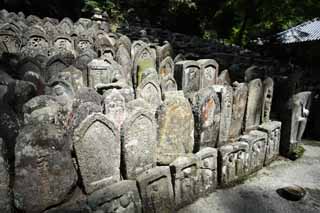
(166, 67)
(267, 99)
(97, 146)
(63, 91)
(168, 83)
(5, 200)
(273, 129)
(44, 172)
(254, 105)
(294, 121)
(185, 173)
(208, 181)
(123, 57)
(257, 141)
(176, 128)
(156, 190)
(206, 110)
(139, 142)
(234, 162)
(150, 91)
(209, 70)
(224, 78)
(73, 76)
(240, 95)
(226, 98)
(114, 107)
(187, 75)
(120, 197)
(258, 193)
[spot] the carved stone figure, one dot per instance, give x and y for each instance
(234, 162)
(273, 129)
(208, 181)
(156, 190)
(139, 135)
(187, 75)
(176, 128)
(166, 67)
(257, 141)
(209, 70)
(150, 91)
(168, 84)
(267, 99)
(122, 197)
(43, 167)
(186, 174)
(97, 147)
(206, 109)
(224, 78)
(240, 95)
(114, 107)
(254, 105)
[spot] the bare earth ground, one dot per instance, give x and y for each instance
(258, 193)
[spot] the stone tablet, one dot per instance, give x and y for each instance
(150, 91)
(257, 141)
(120, 197)
(187, 75)
(234, 160)
(9, 34)
(209, 70)
(55, 65)
(208, 181)
(273, 129)
(267, 99)
(168, 84)
(82, 61)
(226, 98)
(44, 171)
(295, 121)
(156, 190)
(186, 174)
(206, 109)
(73, 76)
(114, 107)
(224, 78)
(97, 147)
(176, 128)
(5, 201)
(240, 95)
(139, 142)
(124, 59)
(166, 67)
(136, 46)
(254, 105)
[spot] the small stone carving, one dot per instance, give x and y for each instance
(156, 190)
(97, 146)
(122, 197)
(267, 99)
(176, 128)
(209, 70)
(114, 107)
(208, 181)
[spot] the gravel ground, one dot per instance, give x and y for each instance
(258, 193)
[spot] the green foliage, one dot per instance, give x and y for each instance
(236, 21)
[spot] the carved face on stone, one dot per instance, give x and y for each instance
(37, 42)
(84, 45)
(209, 73)
(114, 103)
(63, 44)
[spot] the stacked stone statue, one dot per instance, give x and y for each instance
(93, 122)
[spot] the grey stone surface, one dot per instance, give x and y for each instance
(185, 171)
(257, 141)
(120, 197)
(209, 70)
(208, 181)
(44, 172)
(240, 95)
(5, 195)
(187, 75)
(234, 163)
(258, 193)
(254, 105)
(206, 110)
(225, 93)
(97, 146)
(273, 129)
(139, 143)
(156, 190)
(268, 85)
(176, 128)
(150, 91)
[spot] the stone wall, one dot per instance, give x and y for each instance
(92, 121)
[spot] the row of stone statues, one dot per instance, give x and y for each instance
(123, 127)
